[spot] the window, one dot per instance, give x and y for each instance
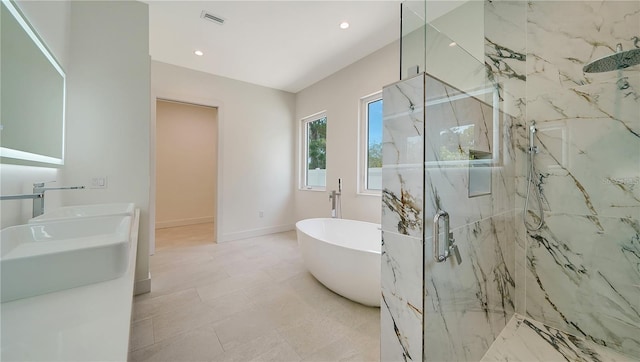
(371, 143)
(315, 151)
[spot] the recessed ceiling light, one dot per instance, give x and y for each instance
(452, 44)
(344, 25)
(198, 53)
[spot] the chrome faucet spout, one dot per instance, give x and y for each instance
(39, 189)
(21, 197)
(61, 188)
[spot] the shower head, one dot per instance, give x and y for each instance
(618, 60)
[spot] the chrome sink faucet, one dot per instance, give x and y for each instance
(39, 189)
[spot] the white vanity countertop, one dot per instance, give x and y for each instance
(87, 323)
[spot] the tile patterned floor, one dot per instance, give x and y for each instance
(525, 340)
(246, 300)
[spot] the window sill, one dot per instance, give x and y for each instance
(312, 190)
(370, 193)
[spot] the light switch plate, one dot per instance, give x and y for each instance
(99, 182)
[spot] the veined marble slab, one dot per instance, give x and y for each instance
(528, 340)
(403, 155)
(582, 271)
(401, 307)
(468, 305)
(402, 221)
(458, 125)
(583, 277)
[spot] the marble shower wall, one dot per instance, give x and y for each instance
(506, 62)
(402, 221)
(582, 273)
(426, 168)
(579, 273)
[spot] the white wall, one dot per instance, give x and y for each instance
(51, 19)
(186, 156)
(256, 138)
(16, 179)
(339, 94)
(108, 86)
(103, 47)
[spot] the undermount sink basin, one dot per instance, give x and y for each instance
(50, 256)
(119, 208)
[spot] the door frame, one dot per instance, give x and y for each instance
(198, 101)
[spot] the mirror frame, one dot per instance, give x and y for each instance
(9, 155)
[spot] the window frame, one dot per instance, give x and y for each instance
(363, 147)
(304, 152)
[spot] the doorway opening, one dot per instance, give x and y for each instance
(186, 170)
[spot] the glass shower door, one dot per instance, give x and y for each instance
(448, 159)
(468, 251)
(469, 281)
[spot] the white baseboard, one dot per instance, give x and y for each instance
(257, 232)
(183, 222)
(142, 286)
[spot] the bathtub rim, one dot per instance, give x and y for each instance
(341, 245)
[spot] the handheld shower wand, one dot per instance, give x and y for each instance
(531, 182)
(532, 134)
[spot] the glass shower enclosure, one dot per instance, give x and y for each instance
(462, 278)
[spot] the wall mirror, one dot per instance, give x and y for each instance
(32, 100)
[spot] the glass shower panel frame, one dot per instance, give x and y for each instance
(466, 148)
(467, 304)
(412, 39)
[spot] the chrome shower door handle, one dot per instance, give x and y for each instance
(436, 236)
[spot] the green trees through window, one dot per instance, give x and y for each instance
(317, 133)
(314, 146)
(316, 151)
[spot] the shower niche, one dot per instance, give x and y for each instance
(479, 173)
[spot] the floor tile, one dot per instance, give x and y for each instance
(232, 284)
(181, 320)
(141, 334)
(196, 345)
(245, 300)
(228, 305)
(166, 303)
(339, 350)
(312, 335)
(524, 339)
(185, 277)
(269, 347)
(243, 327)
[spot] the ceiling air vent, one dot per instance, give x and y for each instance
(211, 17)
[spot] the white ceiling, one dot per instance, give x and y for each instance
(285, 45)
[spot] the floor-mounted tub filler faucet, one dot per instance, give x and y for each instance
(38, 196)
(336, 205)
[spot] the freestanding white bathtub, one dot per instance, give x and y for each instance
(344, 255)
